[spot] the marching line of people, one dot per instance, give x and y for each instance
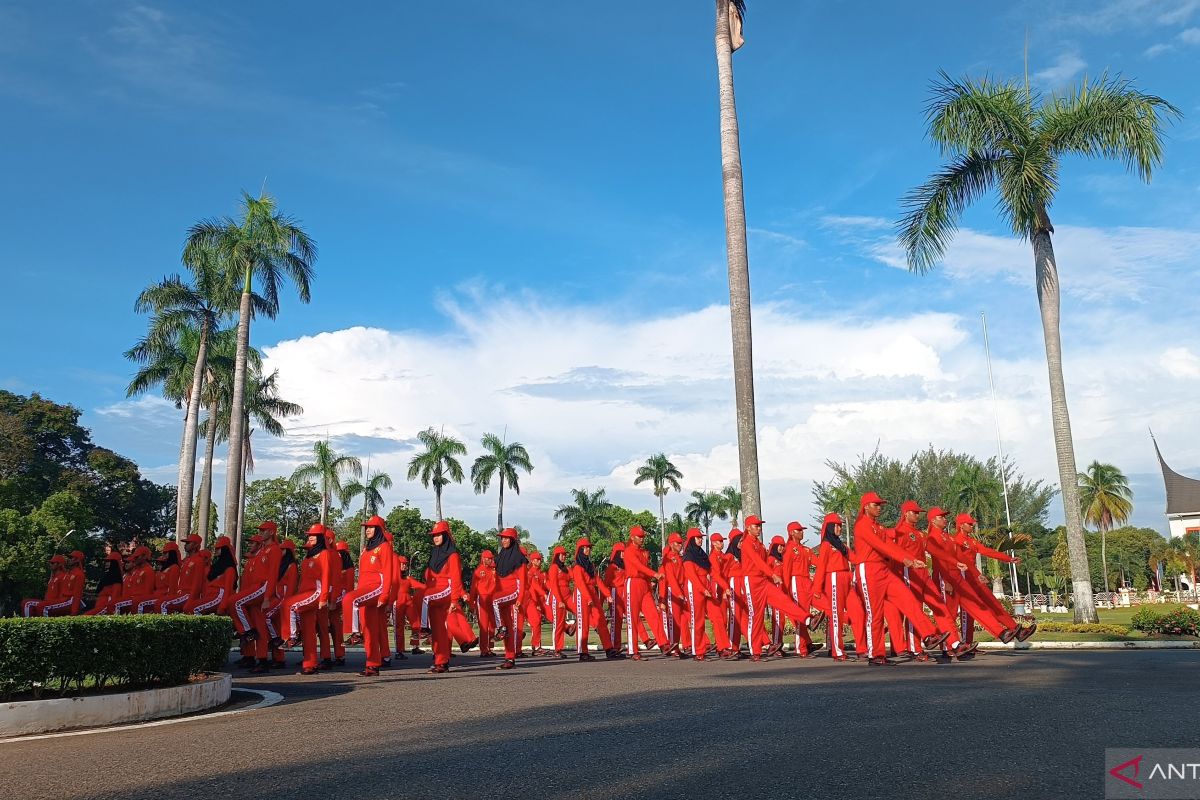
(700, 603)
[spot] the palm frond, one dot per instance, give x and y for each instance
(935, 207)
(967, 115)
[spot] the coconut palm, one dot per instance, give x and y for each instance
(270, 247)
(728, 38)
(675, 524)
(502, 461)
(218, 382)
(974, 490)
(327, 470)
(372, 494)
(1005, 136)
(842, 498)
(664, 477)
(1106, 501)
(731, 505)
(703, 509)
(591, 514)
(437, 465)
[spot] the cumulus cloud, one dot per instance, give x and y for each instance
(1180, 362)
(1063, 70)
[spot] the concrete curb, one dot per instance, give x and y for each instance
(41, 716)
(1182, 645)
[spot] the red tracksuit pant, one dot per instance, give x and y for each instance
(588, 616)
(639, 600)
(489, 618)
(878, 586)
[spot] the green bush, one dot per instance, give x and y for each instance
(1168, 621)
(1082, 627)
(70, 653)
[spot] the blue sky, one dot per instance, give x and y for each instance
(546, 175)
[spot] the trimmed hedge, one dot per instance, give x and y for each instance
(71, 653)
(1174, 621)
(1082, 627)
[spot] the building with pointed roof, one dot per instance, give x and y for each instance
(1183, 498)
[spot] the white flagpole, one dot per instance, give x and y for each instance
(987, 349)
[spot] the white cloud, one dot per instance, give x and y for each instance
(1180, 362)
(1190, 36)
(1156, 50)
(147, 408)
(1116, 15)
(1062, 71)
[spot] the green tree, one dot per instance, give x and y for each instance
(731, 505)
(270, 247)
(590, 514)
(372, 495)
(663, 477)
(1002, 135)
(438, 464)
(1186, 551)
(327, 469)
(977, 492)
(703, 508)
(218, 389)
(728, 38)
(503, 462)
(295, 506)
(1105, 498)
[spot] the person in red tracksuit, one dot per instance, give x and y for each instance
(285, 587)
(587, 604)
(483, 589)
(371, 595)
(220, 582)
(108, 592)
(878, 584)
(58, 568)
(402, 613)
(312, 597)
(673, 600)
(443, 586)
(797, 582)
(257, 593)
(832, 592)
(698, 591)
(558, 584)
(139, 582)
(775, 561)
(511, 585)
(70, 588)
(761, 587)
(166, 580)
(969, 545)
(191, 578)
(535, 602)
(911, 540)
(341, 584)
(717, 603)
(734, 575)
(638, 596)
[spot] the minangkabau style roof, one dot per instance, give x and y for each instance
(1183, 493)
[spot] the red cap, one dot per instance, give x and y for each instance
(269, 525)
(695, 533)
(535, 556)
(316, 530)
(345, 548)
(753, 520)
(636, 530)
(776, 540)
(964, 519)
(872, 497)
(141, 552)
(440, 527)
(524, 550)
(734, 533)
(76, 555)
(716, 537)
(936, 512)
(375, 522)
(256, 538)
(387, 535)
(558, 550)
(330, 537)
(399, 559)
(171, 547)
(911, 505)
(205, 555)
(486, 554)
(675, 538)
(509, 533)
(113, 556)
(794, 526)
(56, 559)
(191, 537)
(223, 541)
(582, 543)
(288, 544)
(834, 518)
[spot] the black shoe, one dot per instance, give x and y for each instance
(244, 662)
(507, 663)
(614, 655)
(261, 666)
(815, 620)
(341, 662)
(560, 654)
(308, 671)
(881, 661)
(500, 634)
(354, 639)
(327, 663)
(1007, 635)
(369, 672)
(426, 632)
(400, 656)
(466, 647)
(1024, 633)
(935, 641)
(386, 662)
(586, 657)
(964, 650)
(278, 664)
(416, 651)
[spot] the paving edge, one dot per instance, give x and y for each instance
(91, 711)
(1183, 645)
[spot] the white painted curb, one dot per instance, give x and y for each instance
(41, 716)
(1182, 645)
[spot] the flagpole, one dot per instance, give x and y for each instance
(987, 349)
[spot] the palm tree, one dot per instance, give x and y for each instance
(1106, 501)
(663, 476)
(731, 505)
(591, 514)
(675, 524)
(728, 38)
(502, 461)
(1003, 135)
(842, 498)
(271, 247)
(218, 382)
(372, 494)
(437, 465)
(977, 492)
(327, 470)
(703, 509)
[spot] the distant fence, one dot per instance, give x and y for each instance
(1107, 599)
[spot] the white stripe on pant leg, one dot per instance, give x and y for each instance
(750, 617)
(578, 621)
(732, 610)
(239, 606)
(55, 606)
(692, 606)
(862, 579)
(216, 601)
(629, 617)
(834, 626)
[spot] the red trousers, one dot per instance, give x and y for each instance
(488, 620)
(879, 586)
(801, 592)
(923, 588)
(248, 615)
(969, 597)
(558, 618)
(435, 608)
(209, 602)
(531, 612)
(843, 606)
(373, 622)
(673, 617)
(737, 614)
(105, 601)
(399, 619)
(588, 616)
(639, 600)
(298, 614)
(703, 608)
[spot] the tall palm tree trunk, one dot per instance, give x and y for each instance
(662, 516)
(739, 268)
(210, 446)
(241, 508)
(1104, 556)
(1049, 301)
(191, 431)
(236, 422)
(437, 492)
(500, 509)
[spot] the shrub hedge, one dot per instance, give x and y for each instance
(1082, 627)
(71, 653)
(1171, 621)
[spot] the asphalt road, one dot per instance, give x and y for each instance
(1027, 725)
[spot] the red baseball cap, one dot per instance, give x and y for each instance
(113, 556)
(695, 533)
(636, 530)
(834, 518)
(716, 537)
(317, 530)
(911, 505)
(965, 519)
(582, 543)
(536, 556)
(675, 538)
(375, 522)
(872, 497)
(936, 512)
(440, 527)
(509, 533)
(753, 520)
(486, 554)
(191, 537)
(345, 548)
(77, 555)
(795, 526)
(223, 541)
(288, 544)
(776, 540)
(57, 560)
(269, 525)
